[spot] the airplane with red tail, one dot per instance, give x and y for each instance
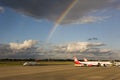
(91, 63)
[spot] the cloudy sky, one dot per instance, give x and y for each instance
(60, 29)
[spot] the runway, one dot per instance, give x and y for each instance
(58, 72)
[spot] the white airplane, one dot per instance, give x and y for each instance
(91, 63)
(29, 63)
(117, 64)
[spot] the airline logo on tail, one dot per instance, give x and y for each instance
(77, 62)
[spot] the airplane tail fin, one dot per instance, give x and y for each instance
(85, 59)
(76, 61)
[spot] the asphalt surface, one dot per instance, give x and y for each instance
(58, 72)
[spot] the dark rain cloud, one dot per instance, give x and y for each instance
(93, 38)
(41, 9)
(1, 9)
(53, 9)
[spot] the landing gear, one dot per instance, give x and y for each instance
(99, 65)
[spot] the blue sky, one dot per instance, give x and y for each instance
(16, 26)
(102, 22)
(19, 27)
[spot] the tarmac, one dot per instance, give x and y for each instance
(58, 72)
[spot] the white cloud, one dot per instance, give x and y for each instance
(26, 44)
(81, 46)
(104, 50)
(73, 47)
(27, 49)
(92, 19)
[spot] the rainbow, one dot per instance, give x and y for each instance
(59, 20)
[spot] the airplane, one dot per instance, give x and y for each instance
(117, 64)
(91, 63)
(30, 63)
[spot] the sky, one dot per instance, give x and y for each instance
(60, 29)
